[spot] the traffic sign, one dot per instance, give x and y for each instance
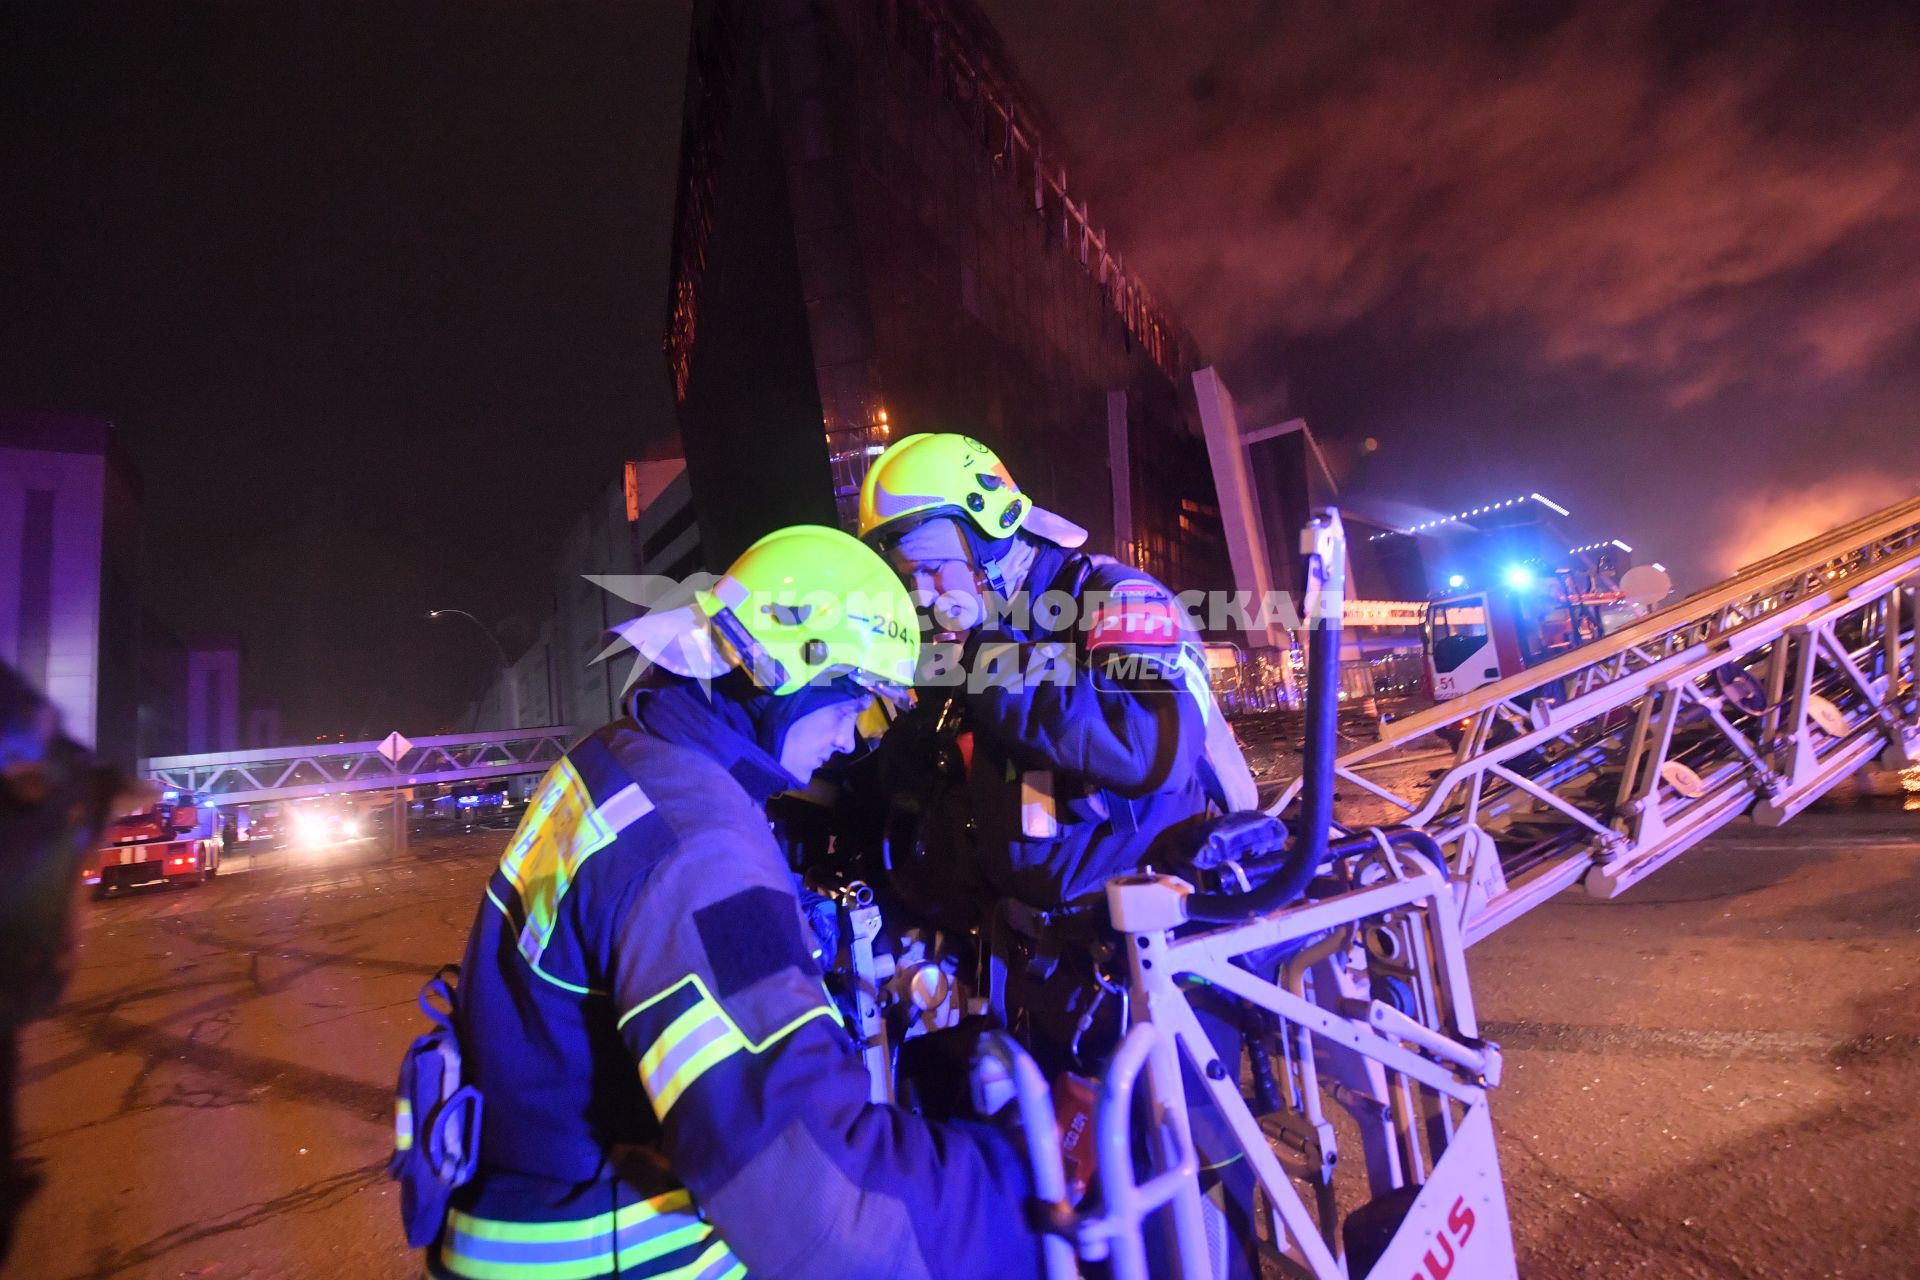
(395, 746)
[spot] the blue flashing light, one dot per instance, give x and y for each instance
(1518, 577)
(1456, 581)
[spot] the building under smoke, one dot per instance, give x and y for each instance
(875, 236)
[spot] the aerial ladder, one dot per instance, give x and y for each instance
(1753, 697)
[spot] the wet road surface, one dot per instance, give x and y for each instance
(1715, 1076)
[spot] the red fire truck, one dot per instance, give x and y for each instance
(172, 843)
(1477, 637)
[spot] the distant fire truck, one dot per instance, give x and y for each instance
(1477, 637)
(171, 843)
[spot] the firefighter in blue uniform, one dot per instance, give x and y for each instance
(668, 1090)
(1094, 736)
(1090, 746)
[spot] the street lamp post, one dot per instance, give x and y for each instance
(506, 667)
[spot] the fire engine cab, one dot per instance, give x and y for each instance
(1477, 637)
(172, 843)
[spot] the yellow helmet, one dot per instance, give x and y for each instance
(807, 603)
(945, 474)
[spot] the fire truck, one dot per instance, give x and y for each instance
(172, 843)
(1474, 638)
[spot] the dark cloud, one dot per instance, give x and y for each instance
(375, 289)
(1667, 257)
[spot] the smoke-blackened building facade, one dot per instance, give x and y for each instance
(875, 236)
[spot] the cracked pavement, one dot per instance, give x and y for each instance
(1710, 1077)
(213, 1099)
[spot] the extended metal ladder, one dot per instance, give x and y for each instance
(1756, 695)
(1355, 998)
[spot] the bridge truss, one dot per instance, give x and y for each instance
(288, 773)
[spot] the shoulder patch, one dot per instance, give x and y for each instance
(1134, 611)
(749, 936)
(561, 829)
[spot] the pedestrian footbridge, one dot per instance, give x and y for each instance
(288, 773)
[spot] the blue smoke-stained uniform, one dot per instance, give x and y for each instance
(1073, 782)
(668, 1090)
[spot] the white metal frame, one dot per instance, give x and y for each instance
(1417, 1082)
(1755, 696)
(1629, 751)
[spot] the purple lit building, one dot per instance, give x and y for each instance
(69, 573)
(73, 618)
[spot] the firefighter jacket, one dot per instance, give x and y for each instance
(1089, 722)
(668, 1089)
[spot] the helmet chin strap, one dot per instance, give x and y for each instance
(1001, 564)
(991, 575)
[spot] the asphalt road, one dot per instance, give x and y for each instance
(1715, 1076)
(213, 1098)
(1718, 1074)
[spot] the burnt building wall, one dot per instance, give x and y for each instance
(738, 336)
(947, 277)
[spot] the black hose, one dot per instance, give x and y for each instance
(1308, 849)
(1231, 908)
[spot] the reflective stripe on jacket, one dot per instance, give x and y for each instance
(668, 1090)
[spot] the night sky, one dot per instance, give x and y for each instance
(1658, 261)
(375, 290)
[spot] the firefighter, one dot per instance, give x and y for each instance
(1087, 745)
(1093, 732)
(54, 800)
(667, 1090)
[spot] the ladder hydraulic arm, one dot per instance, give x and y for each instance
(1754, 696)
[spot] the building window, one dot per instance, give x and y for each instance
(211, 700)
